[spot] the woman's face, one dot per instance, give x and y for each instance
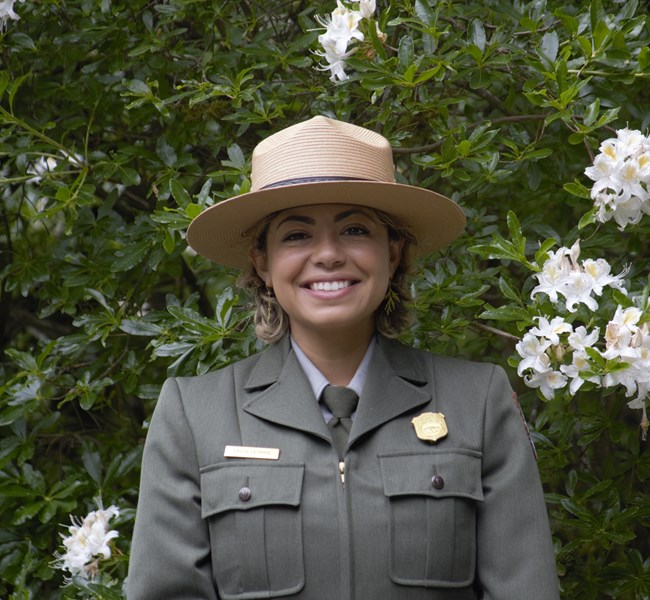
(329, 266)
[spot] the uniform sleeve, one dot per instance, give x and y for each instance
(170, 551)
(515, 553)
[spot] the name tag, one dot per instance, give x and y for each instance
(251, 452)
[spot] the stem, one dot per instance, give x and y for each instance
(12, 119)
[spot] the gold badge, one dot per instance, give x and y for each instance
(430, 427)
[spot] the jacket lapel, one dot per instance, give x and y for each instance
(279, 392)
(394, 385)
(278, 389)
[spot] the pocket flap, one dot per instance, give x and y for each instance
(238, 486)
(437, 473)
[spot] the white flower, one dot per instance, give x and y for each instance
(599, 270)
(335, 61)
(7, 12)
(343, 27)
(578, 371)
(547, 382)
(621, 175)
(554, 274)
(341, 32)
(563, 275)
(551, 330)
(619, 331)
(577, 290)
(533, 353)
(87, 544)
(580, 339)
(367, 8)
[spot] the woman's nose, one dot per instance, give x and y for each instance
(328, 251)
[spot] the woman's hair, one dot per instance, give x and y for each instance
(392, 316)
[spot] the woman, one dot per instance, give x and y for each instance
(337, 463)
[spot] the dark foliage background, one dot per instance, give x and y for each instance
(120, 121)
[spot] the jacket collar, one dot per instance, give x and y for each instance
(279, 391)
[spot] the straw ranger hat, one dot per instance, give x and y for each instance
(322, 161)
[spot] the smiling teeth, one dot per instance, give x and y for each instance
(329, 286)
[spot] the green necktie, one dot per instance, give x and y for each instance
(342, 402)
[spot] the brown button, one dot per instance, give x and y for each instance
(438, 482)
(245, 494)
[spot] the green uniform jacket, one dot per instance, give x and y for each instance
(212, 527)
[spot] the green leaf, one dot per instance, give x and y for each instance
(550, 45)
(180, 194)
(592, 112)
(601, 34)
(587, 219)
(575, 188)
(166, 152)
(505, 313)
(4, 81)
(425, 13)
(508, 291)
(477, 34)
(542, 253)
(236, 157)
(139, 327)
(644, 58)
(405, 51)
(516, 235)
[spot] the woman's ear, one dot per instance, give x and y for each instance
(395, 248)
(258, 259)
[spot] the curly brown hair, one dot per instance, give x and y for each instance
(392, 316)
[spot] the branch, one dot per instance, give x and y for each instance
(499, 332)
(436, 145)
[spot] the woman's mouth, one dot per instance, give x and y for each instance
(329, 286)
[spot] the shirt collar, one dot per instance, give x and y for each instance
(318, 381)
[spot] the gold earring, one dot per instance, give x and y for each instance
(391, 299)
(269, 296)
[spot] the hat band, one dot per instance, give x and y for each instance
(310, 180)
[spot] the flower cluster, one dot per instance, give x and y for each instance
(552, 342)
(342, 28)
(577, 282)
(628, 340)
(557, 352)
(87, 544)
(621, 175)
(7, 12)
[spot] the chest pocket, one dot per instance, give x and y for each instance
(255, 520)
(432, 498)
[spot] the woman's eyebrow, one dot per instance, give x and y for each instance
(351, 211)
(310, 221)
(299, 218)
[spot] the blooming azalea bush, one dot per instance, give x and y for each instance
(120, 121)
(558, 351)
(88, 544)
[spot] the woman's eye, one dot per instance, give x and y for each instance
(355, 230)
(294, 236)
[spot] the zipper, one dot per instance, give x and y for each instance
(342, 471)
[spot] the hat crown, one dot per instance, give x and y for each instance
(321, 148)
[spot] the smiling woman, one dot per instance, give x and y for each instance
(329, 267)
(393, 314)
(337, 463)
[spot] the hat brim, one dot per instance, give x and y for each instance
(220, 232)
